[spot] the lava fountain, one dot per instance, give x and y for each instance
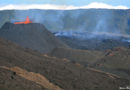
(27, 21)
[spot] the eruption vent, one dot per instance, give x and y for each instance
(27, 21)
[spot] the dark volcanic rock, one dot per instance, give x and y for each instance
(95, 43)
(60, 72)
(34, 36)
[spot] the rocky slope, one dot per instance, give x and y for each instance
(85, 57)
(18, 64)
(115, 60)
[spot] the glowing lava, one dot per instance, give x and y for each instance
(27, 21)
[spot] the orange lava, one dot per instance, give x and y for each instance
(27, 21)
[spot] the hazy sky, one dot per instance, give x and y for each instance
(66, 2)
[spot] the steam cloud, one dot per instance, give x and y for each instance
(56, 20)
(98, 23)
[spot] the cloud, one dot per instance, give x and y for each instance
(62, 7)
(103, 5)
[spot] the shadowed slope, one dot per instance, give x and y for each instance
(60, 72)
(85, 57)
(116, 60)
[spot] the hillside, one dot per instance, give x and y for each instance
(18, 64)
(33, 35)
(85, 57)
(115, 60)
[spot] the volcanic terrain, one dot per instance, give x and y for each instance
(31, 57)
(115, 60)
(99, 42)
(25, 69)
(33, 35)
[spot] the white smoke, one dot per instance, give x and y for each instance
(61, 7)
